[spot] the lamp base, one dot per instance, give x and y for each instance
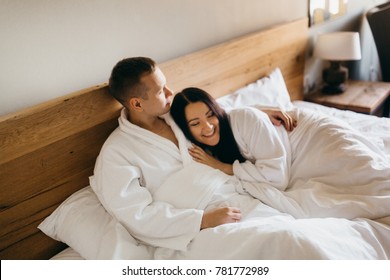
(334, 77)
(334, 89)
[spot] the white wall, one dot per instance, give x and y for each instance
(49, 48)
(53, 47)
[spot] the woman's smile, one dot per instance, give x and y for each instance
(202, 123)
(209, 134)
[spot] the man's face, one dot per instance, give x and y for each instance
(159, 96)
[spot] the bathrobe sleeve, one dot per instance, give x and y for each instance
(117, 184)
(260, 143)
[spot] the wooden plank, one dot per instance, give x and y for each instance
(23, 229)
(365, 96)
(360, 96)
(21, 219)
(63, 168)
(36, 247)
(52, 165)
(31, 129)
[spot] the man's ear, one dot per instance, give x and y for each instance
(135, 104)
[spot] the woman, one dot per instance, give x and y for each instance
(323, 168)
(222, 142)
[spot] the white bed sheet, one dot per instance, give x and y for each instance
(377, 129)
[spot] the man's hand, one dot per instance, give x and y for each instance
(279, 117)
(220, 216)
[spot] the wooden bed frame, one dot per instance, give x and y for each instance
(47, 152)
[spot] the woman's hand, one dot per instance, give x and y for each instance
(279, 117)
(199, 155)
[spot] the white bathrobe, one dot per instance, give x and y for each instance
(265, 146)
(132, 164)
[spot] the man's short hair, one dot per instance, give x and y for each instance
(124, 82)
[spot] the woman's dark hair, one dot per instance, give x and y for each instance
(227, 149)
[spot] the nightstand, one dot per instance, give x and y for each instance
(371, 98)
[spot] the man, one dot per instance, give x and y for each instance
(143, 152)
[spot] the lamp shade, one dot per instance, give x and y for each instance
(338, 46)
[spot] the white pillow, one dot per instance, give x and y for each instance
(268, 91)
(67, 254)
(83, 224)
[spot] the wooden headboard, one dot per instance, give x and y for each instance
(47, 152)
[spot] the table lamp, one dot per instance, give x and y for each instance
(337, 47)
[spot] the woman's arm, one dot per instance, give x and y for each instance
(279, 117)
(260, 143)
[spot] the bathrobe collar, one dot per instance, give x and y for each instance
(154, 139)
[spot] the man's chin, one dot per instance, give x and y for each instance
(167, 109)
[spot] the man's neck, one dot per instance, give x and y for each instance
(146, 122)
(156, 125)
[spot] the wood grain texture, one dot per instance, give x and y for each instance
(30, 129)
(34, 184)
(47, 152)
(360, 96)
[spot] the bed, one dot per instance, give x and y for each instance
(49, 151)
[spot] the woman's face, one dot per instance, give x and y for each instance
(202, 123)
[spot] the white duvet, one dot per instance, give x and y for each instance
(263, 232)
(335, 172)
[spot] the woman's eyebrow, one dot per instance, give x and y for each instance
(194, 119)
(198, 118)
